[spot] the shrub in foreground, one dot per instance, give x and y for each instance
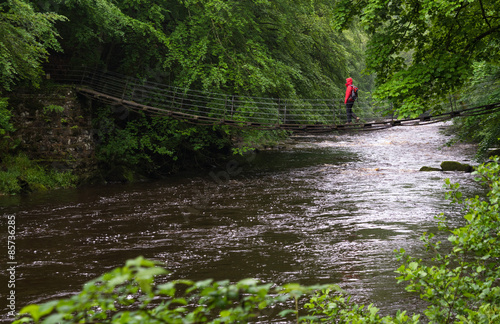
(461, 283)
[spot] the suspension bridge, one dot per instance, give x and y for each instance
(205, 108)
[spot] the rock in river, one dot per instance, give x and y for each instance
(456, 166)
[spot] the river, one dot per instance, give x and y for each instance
(324, 209)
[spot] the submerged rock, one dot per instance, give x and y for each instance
(428, 169)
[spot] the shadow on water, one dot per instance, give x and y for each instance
(327, 209)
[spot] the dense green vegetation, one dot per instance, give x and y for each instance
(27, 37)
(459, 284)
(257, 48)
(413, 53)
(156, 145)
(422, 49)
(483, 88)
(23, 176)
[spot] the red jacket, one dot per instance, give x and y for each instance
(348, 83)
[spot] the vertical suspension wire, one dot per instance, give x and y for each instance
(234, 108)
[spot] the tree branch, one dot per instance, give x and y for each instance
(476, 40)
(484, 13)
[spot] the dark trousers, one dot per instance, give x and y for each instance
(350, 113)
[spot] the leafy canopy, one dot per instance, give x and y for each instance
(422, 49)
(251, 47)
(26, 37)
(257, 47)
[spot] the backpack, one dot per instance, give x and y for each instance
(354, 93)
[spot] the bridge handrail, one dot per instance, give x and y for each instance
(217, 107)
(206, 104)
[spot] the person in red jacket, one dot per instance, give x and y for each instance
(348, 102)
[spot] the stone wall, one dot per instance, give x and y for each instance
(55, 128)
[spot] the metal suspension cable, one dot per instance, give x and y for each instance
(314, 115)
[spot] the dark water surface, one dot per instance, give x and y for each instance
(327, 209)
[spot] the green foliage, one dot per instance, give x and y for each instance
(26, 38)
(5, 115)
(460, 283)
(155, 145)
(24, 175)
(129, 295)
(248, 140)
(97, 27)
(6, 127)
(333, 307)
(258, 48)
(421, 49)
(253, 47)
(261, 48)
(53, 108)
(482, 89)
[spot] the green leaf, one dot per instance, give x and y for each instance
(33, 310)
(287, 312)
(53, 319)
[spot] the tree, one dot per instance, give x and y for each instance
(250, 47)
(259, 48)
(482, 89)
(98, 32)
(26, 37)
(422, 49)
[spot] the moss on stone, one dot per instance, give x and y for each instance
(456, 166)
(429, 169)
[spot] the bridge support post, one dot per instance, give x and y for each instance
(232, 106)
(125, 88)
(333, 112)
(225, 107)
(284, 113)
(279, 110)
(281, 116)
(84, 74)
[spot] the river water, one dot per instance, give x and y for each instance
(324, 209)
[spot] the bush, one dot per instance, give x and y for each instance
(9, 183)
(6, 126)
(128, 295)
(24, 175)
(461, 282)
(154, 145)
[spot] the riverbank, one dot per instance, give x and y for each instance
(20, 175)
(57, 139)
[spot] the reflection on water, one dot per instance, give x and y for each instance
(328, 209)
